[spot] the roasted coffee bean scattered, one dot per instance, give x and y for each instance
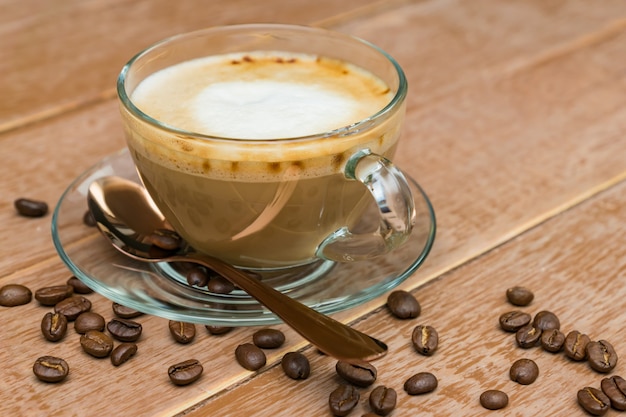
(79, 286)
(268, 338)
(514, 320)
(51, 369)
(519, 296)
(124, 312)
(383, 400)
(184, 373)
(403, 305)
(220, 285)
(54, 326)
(552, 340)
(165, 239)
(30, 208)
(197, 277)
(97, 344)
(494, 399)
(528, 336)
(343, 399)
(250, 356)
(89, 321)
(615, 388)
(73, 306)
(122, 353)
(296, 365)
(593, 401)
(421, 383)
(575, 345)
(601, 356)
(524, 371)
(124, 330)
(425, 340)
(361, 375)
(218, 330)
(49, 296)
(545, 320)
(182, 332)
(12, 295)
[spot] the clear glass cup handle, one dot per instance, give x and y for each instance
(396, 208)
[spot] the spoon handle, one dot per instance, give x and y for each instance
(330, 336)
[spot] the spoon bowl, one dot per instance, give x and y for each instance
(127, 217)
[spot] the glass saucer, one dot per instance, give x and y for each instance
(153, 288)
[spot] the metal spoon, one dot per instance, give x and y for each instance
(126, 215)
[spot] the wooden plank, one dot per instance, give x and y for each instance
(575, 264)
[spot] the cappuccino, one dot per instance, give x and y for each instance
(221, 162)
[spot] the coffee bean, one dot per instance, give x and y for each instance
(343, 399)
(79, 286)
(165, 239)
(512, 321)
(552, 340)
(250, 356)
(50, 369)
(425, 340)
(96, 343)
(615, 388)
(519, 296)
(601, 356)
(124, 330)
(49, 296)
(575, 346)
(184, 373)
(545, 320)
(124, 312)
(524, 371)
(296, 365)
(421, 383)
(527, 336)
(268, 338)
(88, 219)
(494, 399)
(403, 305)
(89, 321)
(30, 208)
(593, 401)
(220, 285)
(73, 306)
(218, 330)
(12, 295)
(383, 400)
(197, 277)
(54, 326)
(362, 374)
(122, 353)
(182, 332)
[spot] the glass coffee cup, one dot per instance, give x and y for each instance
(264, 145)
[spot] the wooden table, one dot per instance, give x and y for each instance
(516, 129)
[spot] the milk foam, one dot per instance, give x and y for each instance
(261, 96)
(270, 109)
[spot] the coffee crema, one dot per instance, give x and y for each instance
(261, 95)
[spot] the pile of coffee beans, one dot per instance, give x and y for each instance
(544, 330)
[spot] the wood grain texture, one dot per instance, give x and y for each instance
(516, 129)
(576, 266)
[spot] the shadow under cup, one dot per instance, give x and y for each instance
(288, 207)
